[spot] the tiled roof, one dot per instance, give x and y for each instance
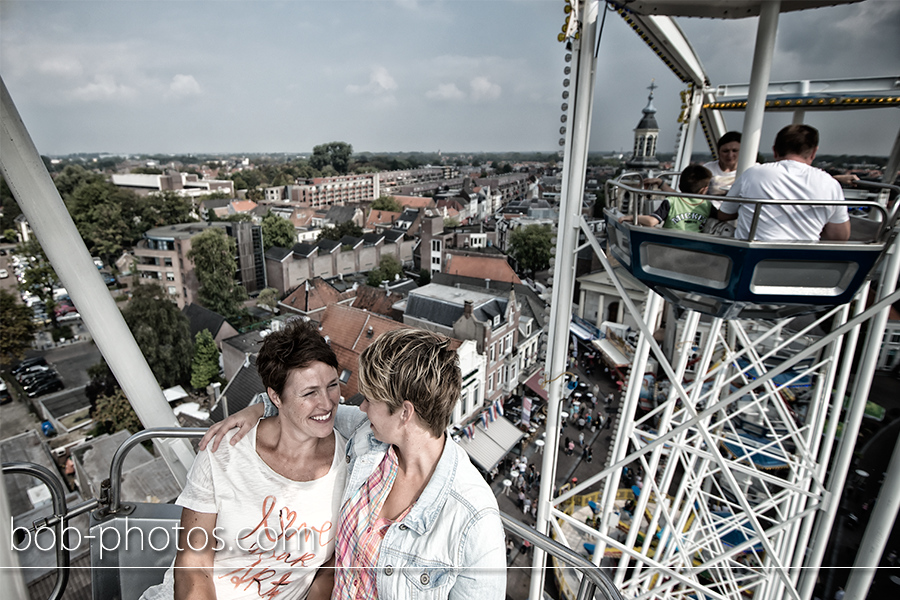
(372, 239)
(393, 236)
(201, 318)
(240, 391)
(433, 310)
(482, 267)
(278, 254)
(303, 249)
(327, 246)
(381, 217)
(349, 240)
(375, 300)
(340, 214)
(315, 294)
(243, 205)
(414, 201)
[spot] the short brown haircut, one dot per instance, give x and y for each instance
(727, 138)
(416, 366)
(296, 346)
(796, 139)
(694, 178)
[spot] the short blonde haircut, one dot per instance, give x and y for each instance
(416, 366)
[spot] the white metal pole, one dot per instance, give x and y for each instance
(888, 503)
(574, 165)
(759, 83)
(47, 215)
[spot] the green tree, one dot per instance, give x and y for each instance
(269, 298)
(114, 413)
(333, 154)
(338, 231)
(73, 177)
(387, 203)
(9, 210)
(108, 218)
(388, 267)
(163, 334)
(166, 208)
(16, 329)
(205, 366)
(530, 246)
(38, 278)
(213, 254)
(277, 232)
(451, 223)
(424, 277)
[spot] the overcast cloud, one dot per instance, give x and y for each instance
(385, 75)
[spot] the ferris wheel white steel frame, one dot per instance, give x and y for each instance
(726, 512)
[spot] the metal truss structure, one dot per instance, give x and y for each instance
(741, 476)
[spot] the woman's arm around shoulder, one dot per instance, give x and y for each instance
(244, 420)
(196, 553)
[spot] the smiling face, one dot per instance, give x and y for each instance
(309, 400)
(728, 155)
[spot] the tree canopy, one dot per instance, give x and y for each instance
(205, 365)
(268, 298)
(338, 231)
(388, 267)
(333, 154)
(530, 246)
(277, 232)
(163, 334)
(38, 278)
(213, 254)
(113, 412)
(16, 329)
(387, 203)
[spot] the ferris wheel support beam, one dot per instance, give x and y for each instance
(574, 167)
(759, 78)
(885, 512)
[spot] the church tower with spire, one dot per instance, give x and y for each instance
(645, 136)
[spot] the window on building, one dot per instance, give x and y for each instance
(895, 338)
(697, 339)
(490, 382)
(167, 262)
(173, 290)
(436, 261)
(435, 245)
(507, 344)
(170, 276)
(492, 353)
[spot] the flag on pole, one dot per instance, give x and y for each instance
(499, 403)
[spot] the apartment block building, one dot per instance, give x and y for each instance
(326, 191)
(288, 268)
(488, 317)
(161, 258)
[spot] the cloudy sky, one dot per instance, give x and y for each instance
(390, 75)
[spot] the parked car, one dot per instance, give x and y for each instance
(31, 371)
(5, 398)
(72, 316)
(39, 379)
(51, 385)
(64, 309)
(108, 278)
(28, 362)
(4, 273)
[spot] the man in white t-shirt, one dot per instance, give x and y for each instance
(790, 177)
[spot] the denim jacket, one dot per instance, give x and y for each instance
(451, 544)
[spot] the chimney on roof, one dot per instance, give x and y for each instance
(487, 283)
(370, 332)
(467, 309)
